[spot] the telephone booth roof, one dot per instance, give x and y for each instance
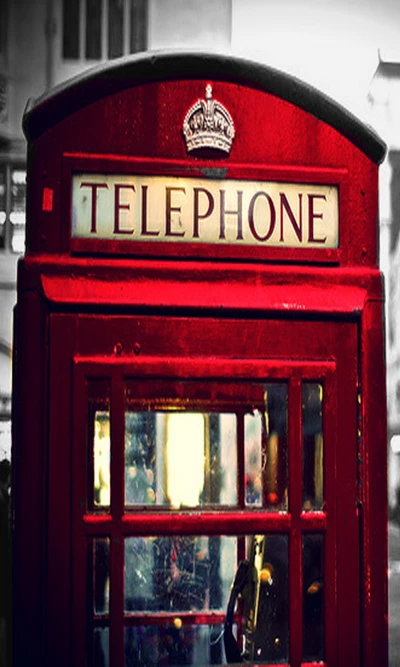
(211, 131)
(116, 75)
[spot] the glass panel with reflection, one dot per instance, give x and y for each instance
(101, 647)
(17, 213)
(266, 450)
(174, 644)
(183, 439)
(99, 445)
(180, 459)
(313, 597)
(101, 575)
(266, 615)
(178, 573)
(312, 436)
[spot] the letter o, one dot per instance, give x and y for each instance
(272, 217)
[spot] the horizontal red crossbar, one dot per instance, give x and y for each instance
(202, 523)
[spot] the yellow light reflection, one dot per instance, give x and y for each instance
(102, 458)
(185, 458)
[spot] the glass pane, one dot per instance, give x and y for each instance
(266, 610)
(70, 29)
(115, 28)
(102, 458)
(266, 449)
(4, 23)
(99, 483)
(101, 575)
(178, 644)
(140, 458)
(180, 459)
(17, 214)
(101, 647)
(93, 29)
(253, 434)
(312, 397)
(3, 208)
(178, 573)
(138, 35)
(313, 598)
(223, 459)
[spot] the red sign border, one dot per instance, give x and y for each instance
(117, 164)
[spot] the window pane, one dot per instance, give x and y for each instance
(178, 454)
(253, 429)
(70, 29)
(3, 208)
(99, 483)
(3, 29)
(4, 96)
(138, 35)
(223, 458)
(102, 458)
(115, 28)
(98, 571)
(101, 647)
(174, 645)
(312, 396)
(140, 458)
(17, 214)
(101, 575)
(266, 611)
(180, 459)
(93, 29)
(178, 573)
(313, 598)
(266, 459)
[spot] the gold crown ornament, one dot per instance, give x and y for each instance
(208, 124)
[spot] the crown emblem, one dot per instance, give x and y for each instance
(208, 124)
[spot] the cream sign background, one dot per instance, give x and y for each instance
(191, 210)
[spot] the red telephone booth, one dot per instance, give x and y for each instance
(199, 373)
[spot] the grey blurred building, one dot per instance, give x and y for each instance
(43, 43)
(384, 99)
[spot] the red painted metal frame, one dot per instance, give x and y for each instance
(71, 333)
(316, 291)
(119, 523)
(29, 471)
(373, 485)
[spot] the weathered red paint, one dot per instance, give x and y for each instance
(95, 308)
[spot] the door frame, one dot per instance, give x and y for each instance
(346, 620)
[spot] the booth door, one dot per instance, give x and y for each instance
(222, 442)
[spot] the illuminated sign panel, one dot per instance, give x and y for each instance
(214, 211)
